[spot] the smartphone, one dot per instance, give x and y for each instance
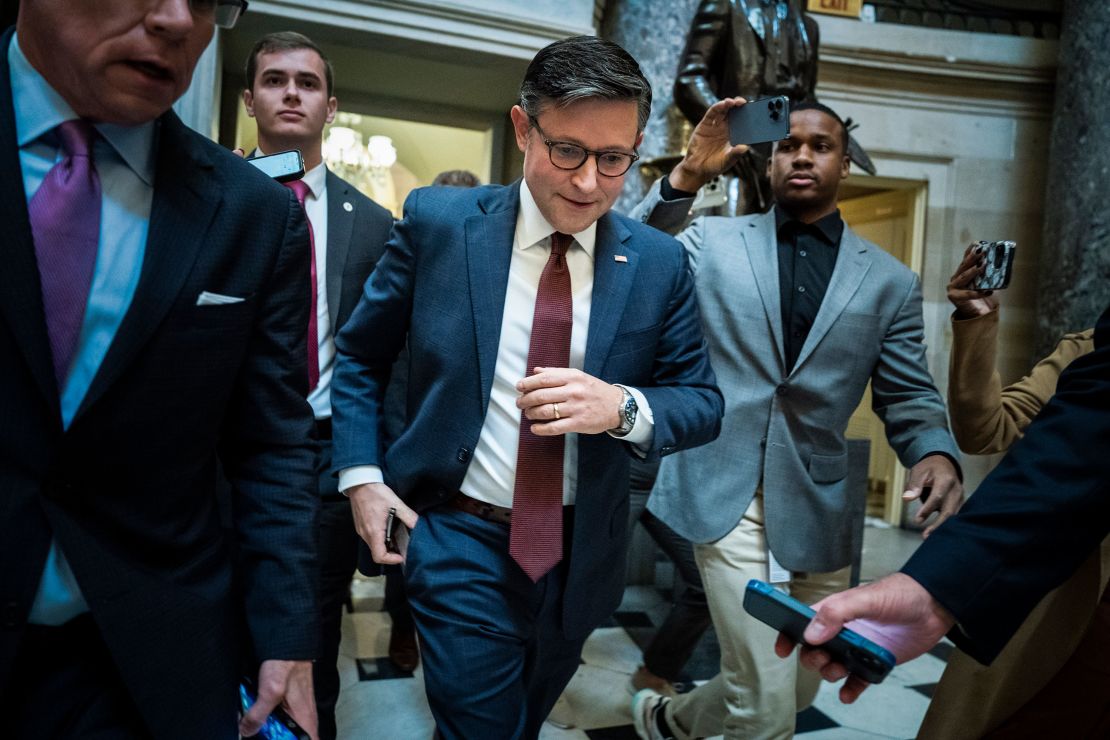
(283, 166)
(279, 725)
(757, 121)
(999, 265)
(860, 656)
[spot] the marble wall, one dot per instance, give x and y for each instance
(1075, 268)
(655, 34)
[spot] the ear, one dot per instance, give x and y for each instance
(333, 107)
(521, 126)
(639, 140)
(845, 166)
(771, 159)
(248, 102)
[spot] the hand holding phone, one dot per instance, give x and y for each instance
(997, 260)
(860, 656)
(279, 725)
(283, 166)
(759, 121)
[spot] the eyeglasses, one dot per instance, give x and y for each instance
(224, 13)
(568, 156)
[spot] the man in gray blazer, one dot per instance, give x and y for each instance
(800, 313)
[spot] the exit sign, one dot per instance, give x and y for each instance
(850, 8)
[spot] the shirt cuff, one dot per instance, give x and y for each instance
(359, 475)
(643, 431)
(669, 192)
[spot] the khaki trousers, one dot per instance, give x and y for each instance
(756, 694)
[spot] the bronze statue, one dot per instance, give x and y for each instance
(753, 49)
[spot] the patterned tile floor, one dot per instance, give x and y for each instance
(377, 700)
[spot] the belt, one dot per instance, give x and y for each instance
(323, 428)
(480, 509)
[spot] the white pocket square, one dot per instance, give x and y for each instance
(215, 299)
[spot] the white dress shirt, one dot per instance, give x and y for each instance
(316, 206)
(491, 475)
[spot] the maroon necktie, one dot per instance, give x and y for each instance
(65, 226)
(300, 189)
(536, 533)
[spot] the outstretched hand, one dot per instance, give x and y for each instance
(709, 152)
(895, 612)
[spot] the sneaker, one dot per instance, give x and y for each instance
(645, 679)
(648, 715)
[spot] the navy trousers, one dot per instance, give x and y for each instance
(495, 658)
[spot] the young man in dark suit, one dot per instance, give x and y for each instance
(290, 96)
(152, 328)
(549, 341)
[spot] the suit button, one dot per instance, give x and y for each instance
(463, 455)
(9, 615)
(781, 390)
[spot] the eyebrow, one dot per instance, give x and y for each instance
(287, 73)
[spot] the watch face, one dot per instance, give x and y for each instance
(630, 409)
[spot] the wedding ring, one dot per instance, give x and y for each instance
(555, 406)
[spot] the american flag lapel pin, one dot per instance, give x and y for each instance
(619, 258)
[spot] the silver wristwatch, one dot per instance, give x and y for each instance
(627, 412)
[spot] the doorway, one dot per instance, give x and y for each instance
(891, 213)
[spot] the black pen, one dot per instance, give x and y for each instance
(389, 528)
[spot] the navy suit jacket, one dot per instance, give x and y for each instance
(358, 229)
(129, 490)
(441, 285)
(1035, 518)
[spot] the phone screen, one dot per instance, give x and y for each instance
(283, 166)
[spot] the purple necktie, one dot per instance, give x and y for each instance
(536, 529)
(300, 189)
(65, 226)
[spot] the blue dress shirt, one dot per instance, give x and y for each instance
(124, 160)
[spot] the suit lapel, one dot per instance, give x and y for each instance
(20, 288)
(489, 248)
(762, 249)
(341, 221)
(852, 264)
(186, 199)
(612, 286)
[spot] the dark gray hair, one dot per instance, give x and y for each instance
(584, 67)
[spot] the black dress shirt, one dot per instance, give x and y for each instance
(807, 256)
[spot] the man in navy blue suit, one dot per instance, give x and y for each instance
(549, 341)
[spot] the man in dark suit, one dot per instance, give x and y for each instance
(290, 95)
(1031, 523)
(549, 340)
(152, 325)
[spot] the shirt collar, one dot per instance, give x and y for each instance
(532, 228)
(829, 228)
(39, 109)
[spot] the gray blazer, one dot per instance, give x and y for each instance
(787, 429)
